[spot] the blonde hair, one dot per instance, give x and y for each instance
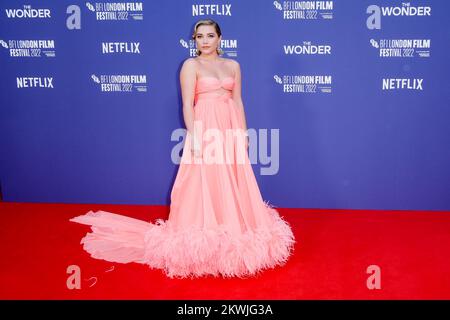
(207, 22)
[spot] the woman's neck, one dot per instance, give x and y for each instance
(209, 58)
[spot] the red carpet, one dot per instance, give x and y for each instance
(330, 260)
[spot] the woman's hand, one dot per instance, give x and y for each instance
(195, 147)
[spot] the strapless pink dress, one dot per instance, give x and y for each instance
(218, 224)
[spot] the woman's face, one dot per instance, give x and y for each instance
(206, 39)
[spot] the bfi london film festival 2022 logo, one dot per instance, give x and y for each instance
(399, 48)
(117, 11)
(305, 10)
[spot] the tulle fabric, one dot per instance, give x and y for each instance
(189, 252)
(218, 223)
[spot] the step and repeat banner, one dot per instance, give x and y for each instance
(347, 102)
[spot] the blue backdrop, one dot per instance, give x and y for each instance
(354, 97)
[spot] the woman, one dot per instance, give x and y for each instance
(218, 223)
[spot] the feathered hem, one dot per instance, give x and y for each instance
(190, 252)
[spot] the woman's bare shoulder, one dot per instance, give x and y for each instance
(232, 64)
(189, 66)
(190, 62)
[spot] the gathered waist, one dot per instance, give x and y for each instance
(213, 95)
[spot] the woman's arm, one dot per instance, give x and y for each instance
(188, 78)
(187, 82)
(237, 96)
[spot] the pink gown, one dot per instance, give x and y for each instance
(218, 223)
